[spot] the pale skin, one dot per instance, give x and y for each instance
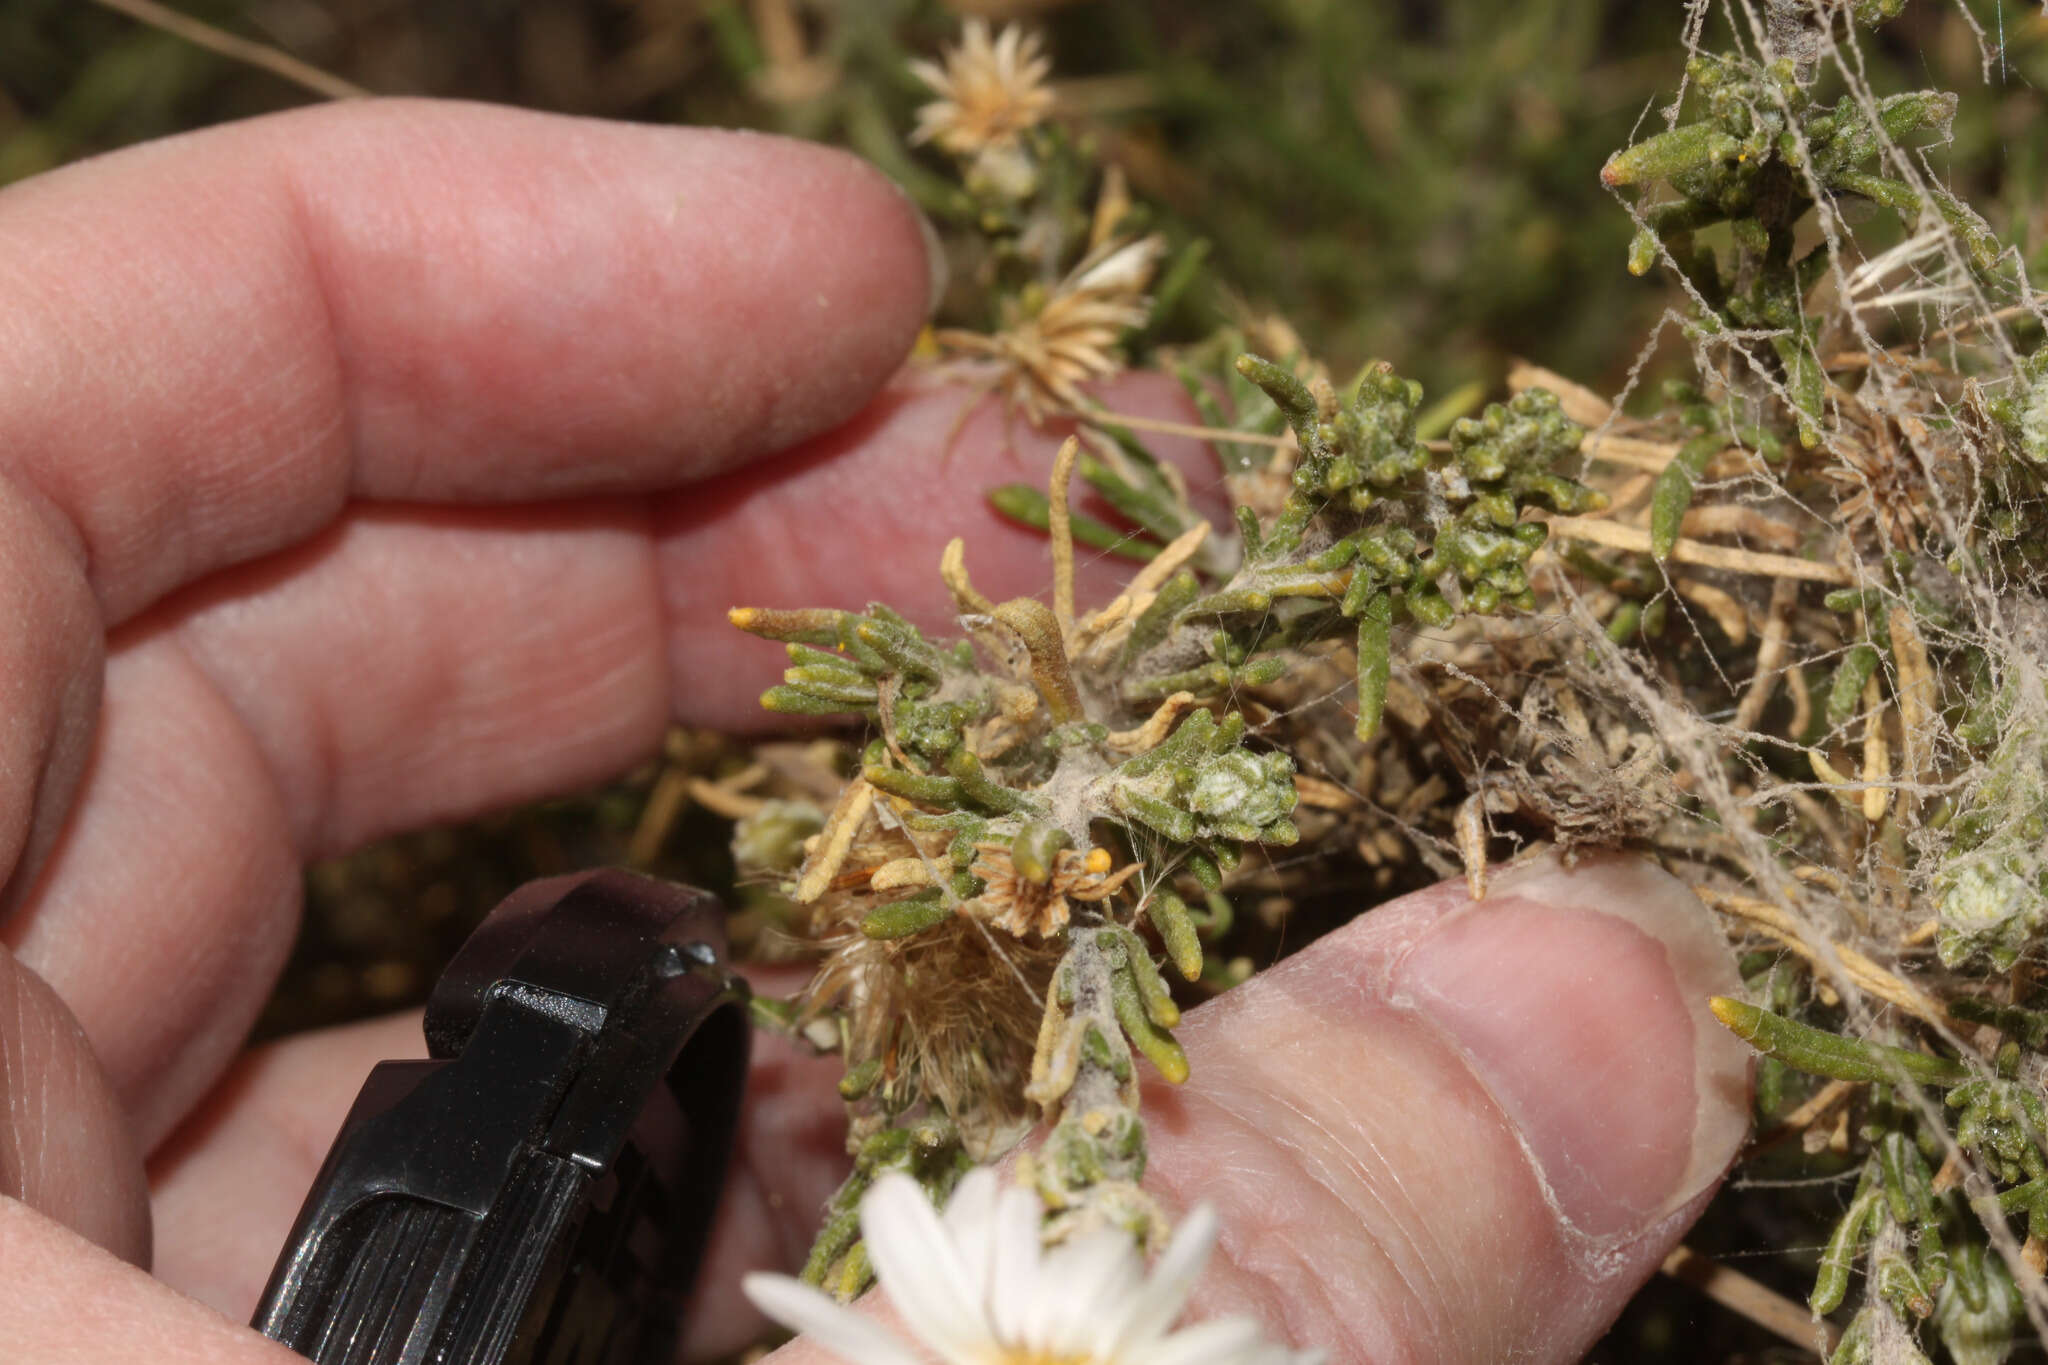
(376, 466)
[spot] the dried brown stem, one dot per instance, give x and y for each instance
(1763, 1306)
(953, 570)
(246, 50)
(1060, 525)
(1770, 654)
(1598, 532)
(1854, 966)
(1104, 417)
(846, 819)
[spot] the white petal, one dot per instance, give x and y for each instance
(1219, 1341)
(1155, 1308)
(921, 1269)
(1080, 1283)
(970, 1222)
(851, 1336)
(1129, 267)
(973, 1204)
(1014, 1242)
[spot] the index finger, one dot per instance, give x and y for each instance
(208, 345)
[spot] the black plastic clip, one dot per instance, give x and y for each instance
(541, 1190)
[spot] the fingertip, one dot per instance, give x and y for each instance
(425, 300)
(1464, 1131)
(599, 296)
(1580, 997)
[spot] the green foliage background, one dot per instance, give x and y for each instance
(1412, 181)
(1416, 181)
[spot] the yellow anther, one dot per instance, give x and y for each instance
(1098, 861)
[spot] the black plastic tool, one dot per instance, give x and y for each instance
(539, 1192)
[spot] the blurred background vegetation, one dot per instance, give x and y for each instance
(1412, 180)
(1416, 181)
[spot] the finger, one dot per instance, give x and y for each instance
(65, 1146)
(426, 301)
(416, 665)
(208, 344)
(228, 1188)
(413, 666)
(225, 1190)
(1450, 1131)
(168, 906)
(1458, 1132)
(1465, 1132)
(862, 515)
(69, 1302)
(789, 1158)
(50, 690)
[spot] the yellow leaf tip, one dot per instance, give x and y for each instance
(1731, 1012)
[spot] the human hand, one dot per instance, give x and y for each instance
(377, 465)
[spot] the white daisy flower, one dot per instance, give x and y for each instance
(975, 1287)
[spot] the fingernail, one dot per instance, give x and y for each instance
(1578, 999)
(939, 270)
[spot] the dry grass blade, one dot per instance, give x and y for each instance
(953, 571)
(1104, 417)
(1579, 403)
(847, 817)
(1770, 655)
(1599, 532)
(1321, 795)
(261, 55)
(1856, 968)
(1916, 693)
(728, 798)
(1721, 605)
(1155, 729)
(1629, 450)
(1739, 519)
(1099, 632)
(658, 816)
(1060, 526)
(1763, 1306)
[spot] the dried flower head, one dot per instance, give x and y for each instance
(975, 1287)
(1069, 337)
(1020, 904)
(989, 91)
(950, 1013)
(1884, 492)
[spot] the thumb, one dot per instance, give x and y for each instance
(1457, 1131)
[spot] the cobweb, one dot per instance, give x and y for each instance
(1909, 470)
